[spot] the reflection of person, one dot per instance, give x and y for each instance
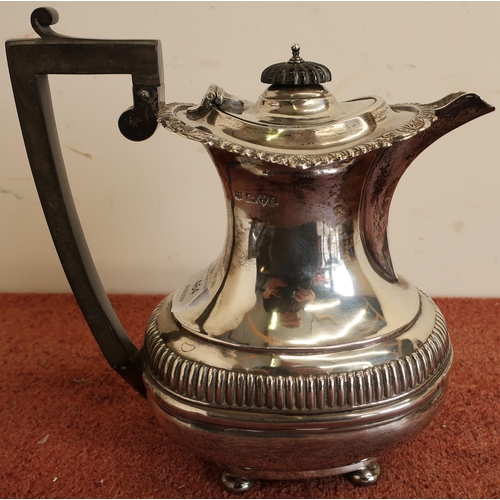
(275, 284)
(286, 317)
(291, 261)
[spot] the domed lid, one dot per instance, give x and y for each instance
(296, 121)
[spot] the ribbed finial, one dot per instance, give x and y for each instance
(296, 72)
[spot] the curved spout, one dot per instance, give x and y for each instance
(390, 164)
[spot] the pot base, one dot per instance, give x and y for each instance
(364, 473)
(287, 446)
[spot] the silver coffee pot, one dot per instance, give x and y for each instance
(299, 352)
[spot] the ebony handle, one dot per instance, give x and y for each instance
(30, 61)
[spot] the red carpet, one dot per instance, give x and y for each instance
(71, 428)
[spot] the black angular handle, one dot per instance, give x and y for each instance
(30, 61)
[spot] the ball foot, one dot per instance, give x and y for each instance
(237, 484)
(368, 474)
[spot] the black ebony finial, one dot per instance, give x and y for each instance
(296, 72)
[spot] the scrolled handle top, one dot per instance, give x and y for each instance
(41, 20)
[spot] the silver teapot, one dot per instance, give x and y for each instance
(299, 352)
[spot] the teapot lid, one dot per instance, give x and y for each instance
(296, 121)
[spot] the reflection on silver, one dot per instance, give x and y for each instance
(296, 275)
(321, 306)
(354, 377)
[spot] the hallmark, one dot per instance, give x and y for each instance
(254, 199)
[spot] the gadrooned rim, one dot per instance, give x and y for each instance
(167, 117)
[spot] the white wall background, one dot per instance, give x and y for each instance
(153, 212)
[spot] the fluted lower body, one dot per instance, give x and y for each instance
(302, 417)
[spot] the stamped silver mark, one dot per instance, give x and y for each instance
(254, 199)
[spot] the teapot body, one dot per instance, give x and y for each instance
(292, 355)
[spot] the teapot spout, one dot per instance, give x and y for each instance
(458, 108)
(388, 167)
